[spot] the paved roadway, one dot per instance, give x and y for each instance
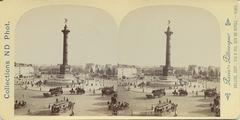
(189, 106)
(91, 104)
(88, 104)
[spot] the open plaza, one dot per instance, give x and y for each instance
(92, 103)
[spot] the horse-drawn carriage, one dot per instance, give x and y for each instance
(115, 106)
(61, 107)
(165, 107)
(210, 92)
(53, 91)
(180, 92)
(158, 93)
(77, 91)
(19, 104)
(141, 85)
(108, 91)
(215, 106)
(39, 83)
(47, 95)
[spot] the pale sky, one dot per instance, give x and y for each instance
(139, 40)
(195, 39)
(92, 36)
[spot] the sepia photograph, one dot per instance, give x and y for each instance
(78, 61)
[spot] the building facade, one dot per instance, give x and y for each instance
(126, 72)
(23, 70)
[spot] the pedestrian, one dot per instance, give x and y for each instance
(72, 113)
(29, 111)
(160, 101)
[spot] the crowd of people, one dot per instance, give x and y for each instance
(115, 105)
(19, 104)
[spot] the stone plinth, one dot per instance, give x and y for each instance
(165, 82)
(61, 80)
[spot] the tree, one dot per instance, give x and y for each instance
(211, 73)
(109, 71)
(194, 72)
(114, 71)
(91, 70)
(97, 70)
(101, 71)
